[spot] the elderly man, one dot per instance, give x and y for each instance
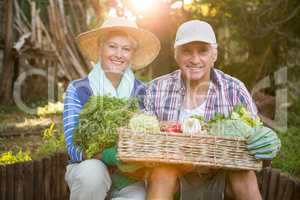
(197, 88)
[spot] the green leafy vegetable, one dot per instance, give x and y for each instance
(144, 123)
(229, 127)
(241, 113)
(240, 123)
(99, 120)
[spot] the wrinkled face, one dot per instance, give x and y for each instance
(116, 53)
(196, 59)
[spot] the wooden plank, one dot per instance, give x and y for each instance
(289, 190)
(3, 183)
(296, 195)
(283, 182)
(265, 182)
(56, 177)
(47, 178)
(273, 183)
(29, 180)
(61, 173)
(19, 182)
(10, 182)
(38, 180)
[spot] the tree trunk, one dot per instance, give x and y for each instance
(7, 74)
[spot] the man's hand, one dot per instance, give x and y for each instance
(263, 143)
(183, 169)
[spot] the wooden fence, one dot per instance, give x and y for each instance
(44, 180)
(275, 185)
(35, 180)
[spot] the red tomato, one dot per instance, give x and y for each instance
(171, 127)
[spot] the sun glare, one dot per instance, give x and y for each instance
(143, 5)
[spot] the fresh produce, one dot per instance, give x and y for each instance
(99, 120)
(230, 127)
(241, 113)
(144, 123)
(174, 127)
(191, 126)
(240, 123)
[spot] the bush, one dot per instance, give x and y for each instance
(288, 159)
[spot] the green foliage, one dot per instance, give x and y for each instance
(50, 109)
(288, 158)
(53, 141)
(99, 120)
(11, 158)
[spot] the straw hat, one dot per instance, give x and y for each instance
(148, 43)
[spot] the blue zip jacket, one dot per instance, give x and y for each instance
(77, 94)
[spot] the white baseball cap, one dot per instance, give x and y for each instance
(195, 30)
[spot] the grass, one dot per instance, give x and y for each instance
(288, 159)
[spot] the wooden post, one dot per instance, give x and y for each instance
(38, 179)
(47, 178)
(282, 184)
(7, 74)
(19, 181)
(29, 187)
(265, 182)
(297, 190)
(60, 175)
(10, 182)
(274, 178)
(3, 183)
(56, 177)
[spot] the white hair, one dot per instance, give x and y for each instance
(177, 49)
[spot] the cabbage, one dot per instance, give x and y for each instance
(144, 123)
(229, 127)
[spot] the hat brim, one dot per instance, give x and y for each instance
(148, 44)
(195, 39)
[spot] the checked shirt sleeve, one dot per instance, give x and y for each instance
(72, 108)
(245, 98)
(149, 99)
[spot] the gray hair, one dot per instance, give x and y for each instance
(176, 50)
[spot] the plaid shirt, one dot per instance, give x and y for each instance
(165, 95)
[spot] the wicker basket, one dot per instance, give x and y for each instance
(172, 148)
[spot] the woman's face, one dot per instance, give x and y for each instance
(116, 53)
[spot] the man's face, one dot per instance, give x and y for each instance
(195, 60)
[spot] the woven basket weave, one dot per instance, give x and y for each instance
(198, 150)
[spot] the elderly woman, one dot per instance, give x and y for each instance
(117, 47)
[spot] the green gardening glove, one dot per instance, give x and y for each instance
(109, 157)
(263, 143)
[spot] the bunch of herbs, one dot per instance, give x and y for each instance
(99, 120)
